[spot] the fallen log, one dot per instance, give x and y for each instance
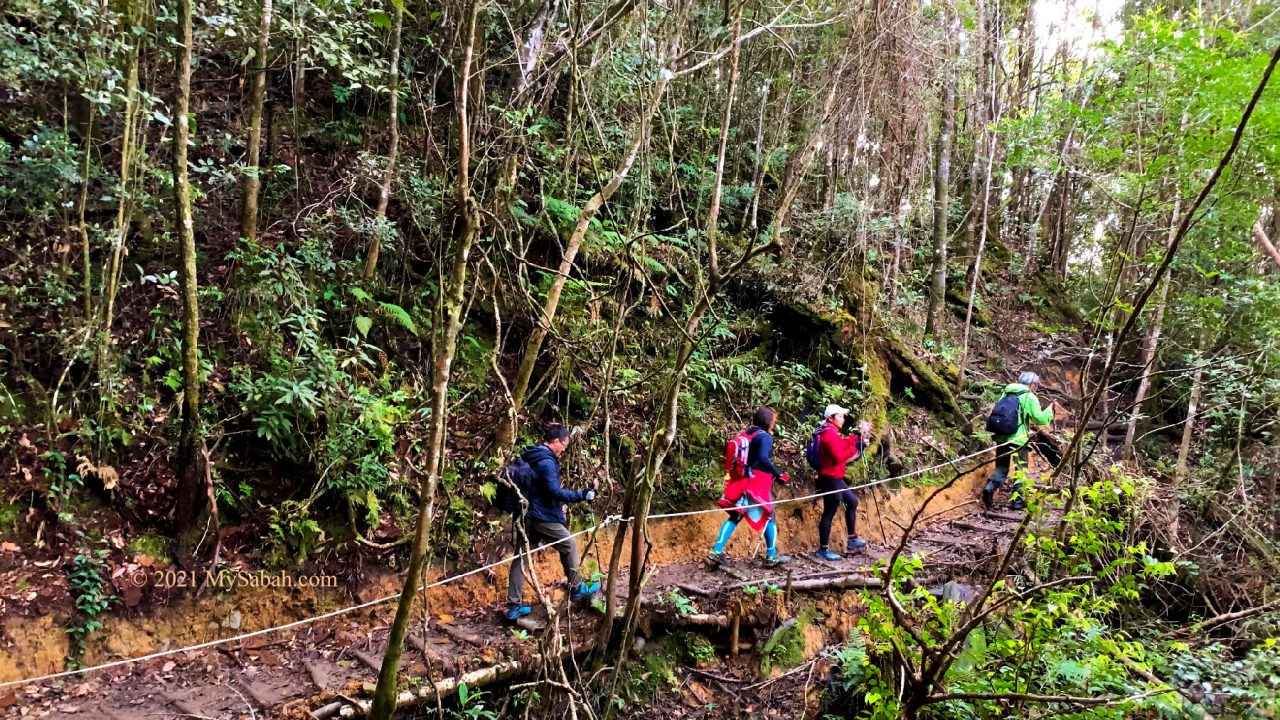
(433, 692)
(695, 590)
(852, 580)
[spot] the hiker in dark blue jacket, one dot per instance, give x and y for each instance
(546, 523)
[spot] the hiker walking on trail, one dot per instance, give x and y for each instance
(1009, 424)
(536, 474)
(748, 490)
(829, 452)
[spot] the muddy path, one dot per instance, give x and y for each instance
(291, 672)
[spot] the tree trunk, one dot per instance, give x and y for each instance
(389, 173)
(1150, 348)
(128, 153)
(506, 432)
(941, 179)
(978, 187)
(1193, 409)
(762, 162)
(449, 322)
(1264, 242)
(252, 182)
(664, 432)
(982, 244)
(190, 444)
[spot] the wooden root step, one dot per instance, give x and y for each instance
(186, 706)
(461, 635)
(369, 661)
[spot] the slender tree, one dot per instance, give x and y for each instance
(444, 346)
(393, 131)
(524, 374)
(251, 184)
(941, 182)
(1150, 347)
(191, 499)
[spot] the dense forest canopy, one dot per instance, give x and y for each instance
(312, 270)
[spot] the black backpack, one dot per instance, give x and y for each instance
(517, 484)
(1006, 416)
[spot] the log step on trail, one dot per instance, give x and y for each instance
(315, 678)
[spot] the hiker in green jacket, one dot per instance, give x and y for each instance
(1017, 409)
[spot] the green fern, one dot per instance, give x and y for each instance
(397, 313)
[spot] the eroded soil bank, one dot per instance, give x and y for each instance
(38, 645)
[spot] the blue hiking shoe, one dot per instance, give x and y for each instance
(582, 591)
(826, 554)
(856, 544)
(515, 612)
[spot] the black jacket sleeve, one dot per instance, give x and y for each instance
(760, 454)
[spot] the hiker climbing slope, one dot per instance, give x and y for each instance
(829, 452)
(749, 478)
(1017, 409)
(537, 476)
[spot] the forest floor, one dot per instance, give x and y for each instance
(293, 672)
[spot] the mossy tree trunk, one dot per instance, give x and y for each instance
(191, 499)
(941, 180)
(444, 346)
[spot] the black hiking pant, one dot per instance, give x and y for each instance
(1004, 460)
(840, 495)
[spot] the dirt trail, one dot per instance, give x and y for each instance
(294, 670)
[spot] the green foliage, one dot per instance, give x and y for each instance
(682, 604)
(62, 483)
(88, 587)
(471, 705)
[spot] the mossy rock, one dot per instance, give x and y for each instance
(9, 514)
(959, 305)
(789, 645)
(1055, 303)
(692, 649)
(151, 545)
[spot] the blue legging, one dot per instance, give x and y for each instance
(726, 531)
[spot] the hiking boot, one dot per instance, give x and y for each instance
(988, 497)
(716, 559)
(515, 612)
(777, 560)
(825, 554)
(582, 591)
(856, 544)
(1018, 504)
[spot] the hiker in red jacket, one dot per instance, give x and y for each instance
(834, 452)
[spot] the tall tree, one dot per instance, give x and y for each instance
(191, 459)
(252, 182)
(393, 131)
(1150, 347)
(447, 325)
(941, 182)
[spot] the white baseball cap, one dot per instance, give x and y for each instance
(834, 409)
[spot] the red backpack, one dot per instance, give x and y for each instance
(735, 456)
